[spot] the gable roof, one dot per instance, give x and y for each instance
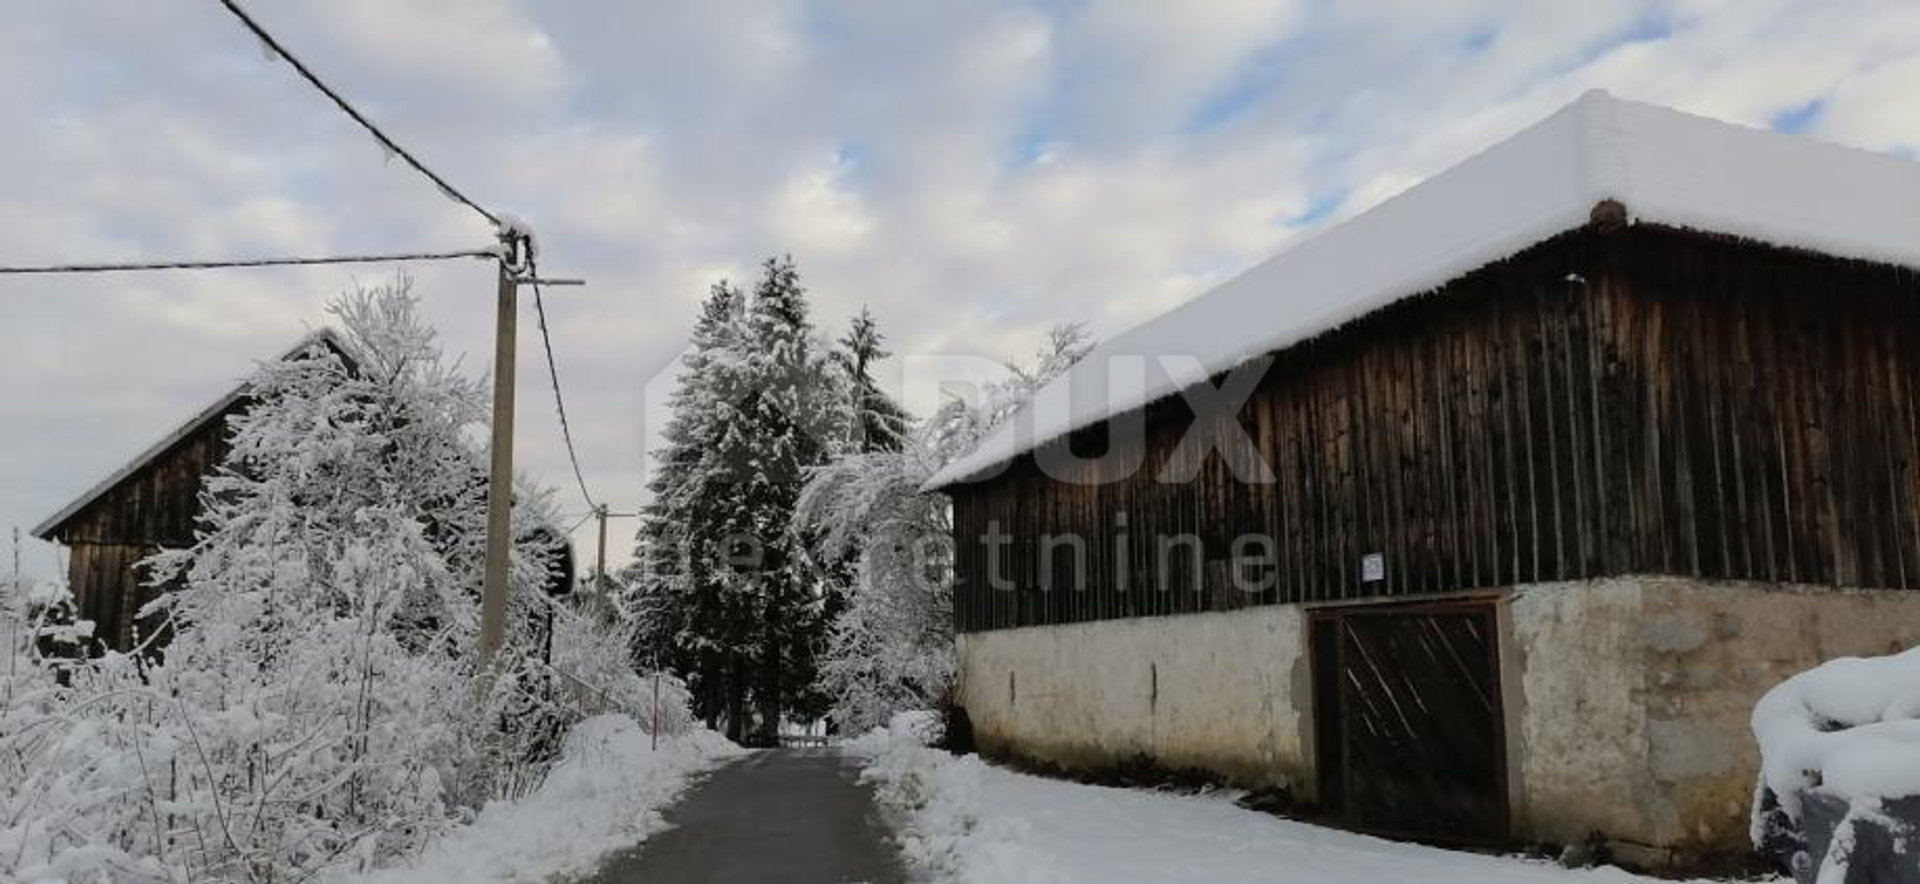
(1665, 166)
(47, 529)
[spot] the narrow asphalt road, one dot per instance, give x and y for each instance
(789, 815)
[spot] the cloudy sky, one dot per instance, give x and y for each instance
(973, 171)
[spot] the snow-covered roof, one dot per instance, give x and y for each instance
(1665, 166)
(46, 529)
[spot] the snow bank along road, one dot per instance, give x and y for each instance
(968, 822)
(797, 815)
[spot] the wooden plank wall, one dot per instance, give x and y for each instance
(1682, 404)
(1782, 440)
(152, 508)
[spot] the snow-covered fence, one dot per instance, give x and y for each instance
(1839, 795)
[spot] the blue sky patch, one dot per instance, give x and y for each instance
(1796, 119)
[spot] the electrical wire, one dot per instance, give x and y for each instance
(553, 374)
(386, 142)
(247, 262)
(395, 149)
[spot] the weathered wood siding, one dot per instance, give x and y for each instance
(152, 508)
(1635, 401)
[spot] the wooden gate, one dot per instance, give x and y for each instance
(1408, 725)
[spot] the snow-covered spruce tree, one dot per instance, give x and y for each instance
(791, 415)
(891, 649)
(726, 587)
(676, 592)
(878, 423)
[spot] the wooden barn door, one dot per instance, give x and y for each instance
(1408, 725)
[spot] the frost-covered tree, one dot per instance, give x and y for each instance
(731, 596)
(333, 588)
(678, 597)
(317, 706)
(791, 415)
(891, 649)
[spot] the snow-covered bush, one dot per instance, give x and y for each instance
(891, 648)
(1844, 736)
(591, 658)
(316, 707)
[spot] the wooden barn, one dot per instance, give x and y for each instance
(1485, 515)
(149, 504)
(154, 502)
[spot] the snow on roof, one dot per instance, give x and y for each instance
(1666, 166)
(46, 529)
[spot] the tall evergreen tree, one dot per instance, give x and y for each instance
(791, 416)
(729, 594)
(676, 600)
(879, 423)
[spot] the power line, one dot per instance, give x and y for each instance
(247, 262)
(553, 374)
(508, 229)
(378, 135)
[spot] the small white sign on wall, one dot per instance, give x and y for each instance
(1373, 567)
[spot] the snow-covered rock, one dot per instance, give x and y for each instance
(1840, 769)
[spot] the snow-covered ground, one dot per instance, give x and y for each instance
(966, 821)
(605, 794)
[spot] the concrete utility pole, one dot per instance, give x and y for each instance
(493, 598)
(601, 602)
(514, 256)
(600, 566)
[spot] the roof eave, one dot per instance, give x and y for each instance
(49, 529)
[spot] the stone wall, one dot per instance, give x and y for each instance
(1627, 699)
(1224, 691)
(1631, 713)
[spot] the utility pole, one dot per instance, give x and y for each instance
(602, 601)
(600, 566)
(493, 597)
(515, 254)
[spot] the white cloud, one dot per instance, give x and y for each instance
(815, 213)
(1862, 107)
(973, 171)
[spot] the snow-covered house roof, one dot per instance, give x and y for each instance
(47, 529)
(1665, 166)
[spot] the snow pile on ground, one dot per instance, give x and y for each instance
(1849, 727)
(920, 727)
(944, 829)
(965, 821)
(605, 793)
(1847, 730)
